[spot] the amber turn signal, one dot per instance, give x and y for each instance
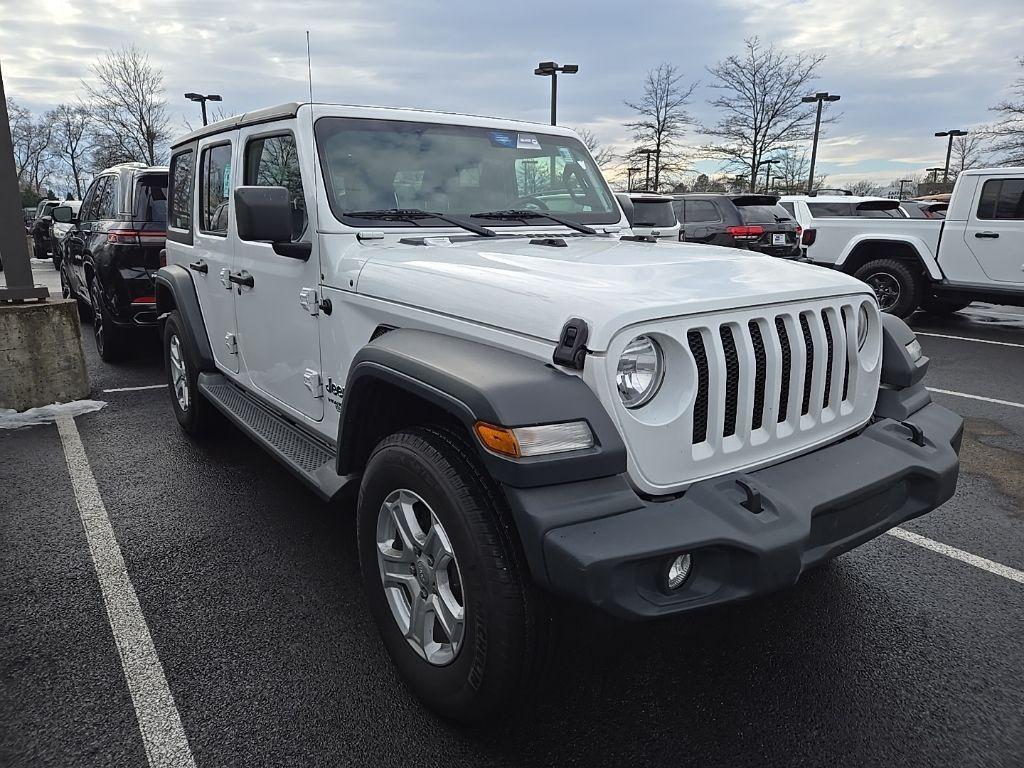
(498, 439)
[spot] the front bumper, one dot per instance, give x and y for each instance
(598, 542)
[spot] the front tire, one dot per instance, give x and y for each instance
(897, 287)
(111, 341)
(194, 412)
(445, 581)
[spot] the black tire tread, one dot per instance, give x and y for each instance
(911, 299)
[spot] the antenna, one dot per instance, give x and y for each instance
(312, 138)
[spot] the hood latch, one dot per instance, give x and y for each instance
(572, 344)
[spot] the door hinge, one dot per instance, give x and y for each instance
(231, 343)
(307, 298)
(313, 382)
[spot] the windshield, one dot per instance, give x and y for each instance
(653, 213)
(459, 171)
(151, 199)
(763, 214)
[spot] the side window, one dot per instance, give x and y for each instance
(273, 161)
(789, 209)
(1002, 199)
(214, 189)
(182, 167)
(89, 201)
(105, 208)
(828, 210)
(699, 211)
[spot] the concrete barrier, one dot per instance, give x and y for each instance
(41, 357)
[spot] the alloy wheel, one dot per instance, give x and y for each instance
(97, 315)
(179, 377)
(886, 288)
(421, 577)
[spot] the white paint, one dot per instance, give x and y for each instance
(968, 338)
(136, 389)
(958, 554)
(163, 736)
(976, 397)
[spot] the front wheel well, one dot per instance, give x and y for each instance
(872, 250)
(165, 300)
(375, 409)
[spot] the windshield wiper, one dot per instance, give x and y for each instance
(413, 215)
(527, 215)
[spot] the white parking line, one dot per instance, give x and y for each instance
(958, 554)
(968, 338)
(136, 389)
(976, 397)
(162, 733)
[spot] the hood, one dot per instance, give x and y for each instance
(610, 283)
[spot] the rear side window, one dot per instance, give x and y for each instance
(763, 214)
(273, 161)
(697, 211)
(182, 168)
(653, 214)
(151, 198)
(789, 208)
(1002, 199)
(827, 210)
(106, 200)
(214, 189)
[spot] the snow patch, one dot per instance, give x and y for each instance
(46, 414)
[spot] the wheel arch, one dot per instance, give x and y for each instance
(175, 290)
(912, 250)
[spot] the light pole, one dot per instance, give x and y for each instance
(820, 97)
(949, 149)
(551, 69)
(767, 174)
(647, 175)
(901, 183)
(630, 172)
(202, 99)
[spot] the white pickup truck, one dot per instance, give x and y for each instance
(975, 254)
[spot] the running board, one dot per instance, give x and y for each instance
(307, 458)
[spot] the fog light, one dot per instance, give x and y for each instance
(678, 571)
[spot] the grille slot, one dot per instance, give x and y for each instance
(787, 368)
(808, 365)
(760, 374)
(846, 358)
(700, 406)
(732, 380)
(828, 359)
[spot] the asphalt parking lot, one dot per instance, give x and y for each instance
(894, 654)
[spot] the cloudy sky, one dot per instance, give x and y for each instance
(904, 68)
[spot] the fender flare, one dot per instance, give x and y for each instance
(175, 290)
(924, 253)
(472, 382)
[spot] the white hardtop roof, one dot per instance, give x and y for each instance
(835, 199)
(1014, 170)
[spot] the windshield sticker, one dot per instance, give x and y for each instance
(565, 153)
(527, 141)
(500, 139)
(227, 181)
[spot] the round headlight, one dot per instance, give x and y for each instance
(639, 372)
(862, 326)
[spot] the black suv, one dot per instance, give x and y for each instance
(755, 222)
(42, 244)
(113, 250)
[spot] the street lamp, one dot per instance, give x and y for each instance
(767, 174)
(630, 172)
(202, 100)
(647, 176)
(820, 97)
(949, 149)
(551, 69)
(901, 182)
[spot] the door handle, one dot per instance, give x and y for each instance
(198, 266)
(990, 235)
(241, 278)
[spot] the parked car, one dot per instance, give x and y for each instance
(528, 401)
(652, 215)
(941, 266)
(59, 230)
(755, 222)
(924, 209)
(113, 250)
(42, 245)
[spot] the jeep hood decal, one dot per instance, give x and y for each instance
(610, 283)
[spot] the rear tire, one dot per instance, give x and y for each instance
(84, 310)
(938, 306)
(194, 412)
(111, 340)
(897, 287)
(434, 477)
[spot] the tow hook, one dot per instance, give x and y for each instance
(754, 502)
(916, 433)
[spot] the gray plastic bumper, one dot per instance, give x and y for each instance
(598, 542)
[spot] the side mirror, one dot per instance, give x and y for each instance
(627, 206)
(63, 214)
(264, 214)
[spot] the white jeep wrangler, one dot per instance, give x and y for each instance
(450, 313)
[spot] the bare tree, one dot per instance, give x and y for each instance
(968, 152)
(70, 141)
(31, 139)
(760, 105)
(661, 121)
(792, 171)
(1008, 132)
(128, 107)
(863, 188)
(603, 156)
